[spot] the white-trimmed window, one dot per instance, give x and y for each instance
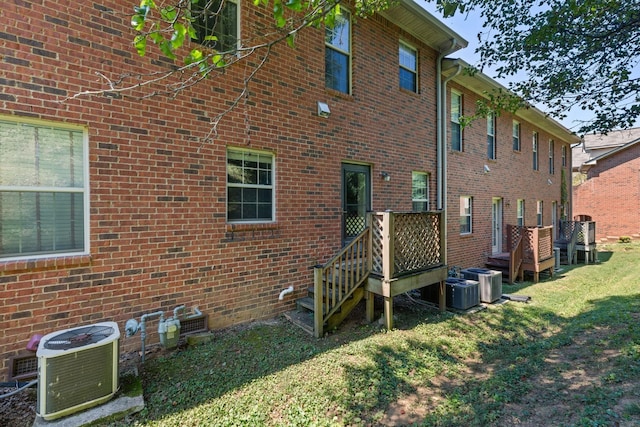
(539, 211)
(466, 212)
(44, 189)
(420, 191)
(564, 155)
(535, 151)
(408, 58)
(250, 188)
(337, 60)
(520, 212)
(491, 136)
(456, 128)
(217, 24)
(516, 135)
(551, 157)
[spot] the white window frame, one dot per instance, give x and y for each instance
(415, 190)
(456, 113)
(491, 136)
(270, 185)
(82, 190)
(535, 146)
(344, 49)
(520, 212)
(539, 213)
(552, 157)
(466, 212)
(515, 130)
(413, 52)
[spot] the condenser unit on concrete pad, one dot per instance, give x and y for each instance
(77, 369)
(490, 282)
(462, 294)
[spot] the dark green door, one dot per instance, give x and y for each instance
(356, 199)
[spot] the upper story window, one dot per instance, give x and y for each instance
(491, 136)
(564, 155)
(516, 135)
(456, 128)
(520, 212)
(216, 24)
(535, 151)
(250, 189)
(420, 191)
(337, 60)
(551, 157)
(539, 213)
(466, 211)
(408, 58)
(44, 190)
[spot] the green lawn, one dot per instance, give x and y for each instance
(571, 356)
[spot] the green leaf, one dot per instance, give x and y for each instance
(194, 56)
(156, 37)
(137, 22)
(218, 60)
(168, 13)
(179, 33)
(291, 41)
(140, 43)
(165, 47)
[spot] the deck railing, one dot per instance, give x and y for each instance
(336, 280)
(406, 242)
(587, 233)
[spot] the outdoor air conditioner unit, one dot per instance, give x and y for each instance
(490, 282)
(77, 369)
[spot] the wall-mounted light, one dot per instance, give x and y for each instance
(323, 109)
(549, 182)
(486, 169)
(385, 176)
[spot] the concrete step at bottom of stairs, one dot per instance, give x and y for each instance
(302, 319)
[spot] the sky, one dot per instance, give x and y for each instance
(468, 25)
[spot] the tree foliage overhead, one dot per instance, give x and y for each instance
(564, 54)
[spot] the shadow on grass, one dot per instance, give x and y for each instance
(519, 361)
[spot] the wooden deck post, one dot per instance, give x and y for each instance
(369, 297)
(388, 266)
(318, 315)
(442, 297)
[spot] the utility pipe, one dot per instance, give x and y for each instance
(285, 292)
(143, 330)
(441, 143)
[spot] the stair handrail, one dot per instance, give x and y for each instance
(515, 260)
(340, 272)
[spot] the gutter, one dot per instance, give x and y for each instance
(441, 137)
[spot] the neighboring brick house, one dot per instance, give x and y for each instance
(112, 207)
(609, 189)
(495, 177)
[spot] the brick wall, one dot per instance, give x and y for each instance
(511, 177)
(158, 230)
(611, 195)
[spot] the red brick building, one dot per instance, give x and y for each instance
(610, 194)
(112, 206)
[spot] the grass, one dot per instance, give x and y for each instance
(569, 357)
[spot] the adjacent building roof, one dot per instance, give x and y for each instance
(595, 147)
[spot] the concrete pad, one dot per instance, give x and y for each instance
(115, 409)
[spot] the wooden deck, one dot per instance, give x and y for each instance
(396, 253)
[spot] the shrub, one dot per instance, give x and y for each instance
(624, 239)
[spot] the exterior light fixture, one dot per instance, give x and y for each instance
(385, 176)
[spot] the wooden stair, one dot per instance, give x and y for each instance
(303, 315)
(499, 262)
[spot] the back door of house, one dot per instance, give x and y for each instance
(496, 226)
(356, 199)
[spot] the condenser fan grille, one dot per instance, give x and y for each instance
(78, 337)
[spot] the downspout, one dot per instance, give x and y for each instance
(441, 136)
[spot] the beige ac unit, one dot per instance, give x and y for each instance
(77, 369)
